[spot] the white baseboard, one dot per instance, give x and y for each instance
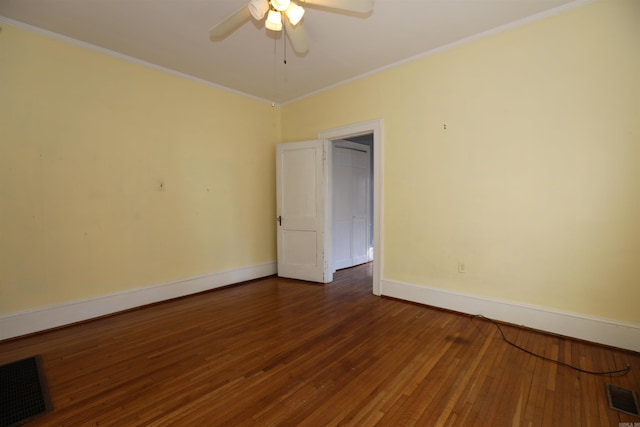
(39, 319)
(603, 331)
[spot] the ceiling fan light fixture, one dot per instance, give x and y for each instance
(294, 13)
(280, 5)
(274, 21)
(258, 8)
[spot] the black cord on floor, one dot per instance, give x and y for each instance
(568, 365)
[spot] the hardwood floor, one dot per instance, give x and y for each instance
(283, 352)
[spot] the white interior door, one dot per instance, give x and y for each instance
(301, 188)
(351, 208)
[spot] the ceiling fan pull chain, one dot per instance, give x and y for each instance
(284, 40)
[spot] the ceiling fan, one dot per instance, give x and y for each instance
(274, 11)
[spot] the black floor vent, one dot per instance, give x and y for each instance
(23, 392)
(623, 400)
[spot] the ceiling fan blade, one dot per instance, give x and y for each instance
(227, 26)
(298, 37)
(361, 6)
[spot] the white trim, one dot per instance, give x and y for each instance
(603, 331)
(39, 319)
(375, 127)
(128, 58)
(447, 46)
(327, 191)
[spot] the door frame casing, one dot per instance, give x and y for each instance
(376, 128)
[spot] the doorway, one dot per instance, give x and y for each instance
(373, 132)
(352, 197)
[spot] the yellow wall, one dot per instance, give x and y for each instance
(115, 176)
(534, 184)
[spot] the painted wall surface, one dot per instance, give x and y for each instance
(116, 176)
(535, 182)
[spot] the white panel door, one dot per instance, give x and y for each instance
(360, 206)
(300, 192)
(351, 207)
(341, 183)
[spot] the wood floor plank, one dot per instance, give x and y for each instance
(284, 352)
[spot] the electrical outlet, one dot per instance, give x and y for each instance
(462, 267)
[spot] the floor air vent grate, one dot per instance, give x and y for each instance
(23, 392)
(623, 400)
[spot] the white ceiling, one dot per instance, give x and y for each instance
(175, 34)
